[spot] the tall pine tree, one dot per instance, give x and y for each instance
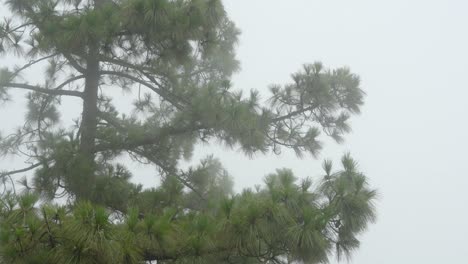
(177, 58)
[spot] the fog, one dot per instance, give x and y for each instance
(410, 139)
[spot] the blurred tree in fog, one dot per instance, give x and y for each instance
(177, 58)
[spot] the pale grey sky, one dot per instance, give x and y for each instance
(411, 137)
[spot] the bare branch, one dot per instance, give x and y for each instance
(9, 173)
(31, 63)
(70, 80)
(43, 90)
(19, 27)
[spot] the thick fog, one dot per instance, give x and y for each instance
(411, 138)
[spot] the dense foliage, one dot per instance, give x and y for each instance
(175, 58)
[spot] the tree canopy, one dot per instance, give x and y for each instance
(175, 58)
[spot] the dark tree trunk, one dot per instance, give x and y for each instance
(82, 185)
(90, 109)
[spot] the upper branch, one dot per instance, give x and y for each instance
(126, 64)
(293, 113)
(74, 63)
(164, 94)
(31, 63)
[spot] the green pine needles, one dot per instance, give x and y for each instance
(176, 59)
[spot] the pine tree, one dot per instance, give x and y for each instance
(176, 57)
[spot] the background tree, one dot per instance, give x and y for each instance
(176, 58)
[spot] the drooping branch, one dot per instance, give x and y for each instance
(170, 171)
(132, 146)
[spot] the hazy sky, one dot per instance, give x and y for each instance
(411, 137)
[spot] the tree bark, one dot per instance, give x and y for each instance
(90, 109)
(84, 184)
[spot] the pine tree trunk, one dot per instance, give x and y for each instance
(85, 183)
(90, 110)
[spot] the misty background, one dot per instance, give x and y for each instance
(411, 138)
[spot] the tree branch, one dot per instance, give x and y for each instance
(146, 69)
(74, 63)
(160, 92)
(127, 64)
(18, 27)
(44, 90)
(31, 63)
(293, 113)
(9, 173)
(72, 79)
(170, 171)
(148, 139)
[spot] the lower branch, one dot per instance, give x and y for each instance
(43, 90)
(9, 173)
